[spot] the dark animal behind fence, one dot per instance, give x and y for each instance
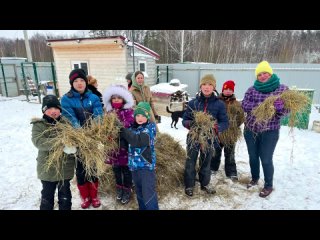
(175, 117)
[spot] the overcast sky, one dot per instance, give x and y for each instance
(19, 33)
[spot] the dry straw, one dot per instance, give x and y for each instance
(95, 141)
(202, 130)
(295, 102)
(233, 133)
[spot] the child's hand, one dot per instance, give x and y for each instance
(70, 149)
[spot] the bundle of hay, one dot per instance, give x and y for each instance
(202, 129)
(265, 111)
(233, 133)
(294, 102)
(171, 157)
(95, 141)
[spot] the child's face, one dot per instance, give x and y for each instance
(207, 89)
(227, 92)
(53, 112)
(141, 119)
(79, 84)
(116, 99)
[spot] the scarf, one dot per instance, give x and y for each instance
(268, 86)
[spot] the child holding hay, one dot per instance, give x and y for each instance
(229, 137)
(78, 106)
(142, 157)
(56, 176)
(262, 138)
(118, 99)
(209, 105)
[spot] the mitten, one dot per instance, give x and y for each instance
(278, 105)
(70, 149)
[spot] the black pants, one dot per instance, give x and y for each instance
(190, 171)
(64, 195)
(81, 175)
(230, 166)
(123, 176)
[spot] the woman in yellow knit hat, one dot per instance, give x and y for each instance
(261, 139)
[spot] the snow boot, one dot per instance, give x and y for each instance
(119, 192)
(84, 193)
(126, 195)
(94, 194)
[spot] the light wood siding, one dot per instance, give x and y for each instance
(106, 63)
(150, 62)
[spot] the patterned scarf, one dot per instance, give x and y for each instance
(268, 86)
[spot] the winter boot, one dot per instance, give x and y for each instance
(84, 193)
(94, 194)
(119, 192)
(126, 195)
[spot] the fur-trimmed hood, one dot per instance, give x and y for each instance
(117, 90)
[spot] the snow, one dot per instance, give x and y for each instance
(296, 179)
(167, 88)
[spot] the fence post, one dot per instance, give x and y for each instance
(37, 81)
(4, 80)
(167, 73)
(54, 79)
(25, 83)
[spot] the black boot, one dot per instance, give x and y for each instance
(119, 192)
(126, 195)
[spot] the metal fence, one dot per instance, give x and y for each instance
(299, 75)
(28, 78)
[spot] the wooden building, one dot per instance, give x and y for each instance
(108, 59)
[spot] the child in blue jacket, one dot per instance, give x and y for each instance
(142, 156)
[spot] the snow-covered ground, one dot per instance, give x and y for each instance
(296, 179)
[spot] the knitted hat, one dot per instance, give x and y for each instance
(209, 78)
(263, 67)
(228, 85)
(143, 108)
(50, 101)
(77, 73)
(129, 76)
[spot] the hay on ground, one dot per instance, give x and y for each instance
(171, 157)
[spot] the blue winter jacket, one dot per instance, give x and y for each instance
(79, 108)
(141, 139)
(214, 106)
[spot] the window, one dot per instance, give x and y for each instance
(143, 67)
(80, 64)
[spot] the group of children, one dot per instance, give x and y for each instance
(135, 160)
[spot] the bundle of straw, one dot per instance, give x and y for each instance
(295, 102)
(233, 133)
(202, 129)
(95, 141)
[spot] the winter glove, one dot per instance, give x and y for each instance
(70, 149)
(278, 105)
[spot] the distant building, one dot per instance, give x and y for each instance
(108, 59)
